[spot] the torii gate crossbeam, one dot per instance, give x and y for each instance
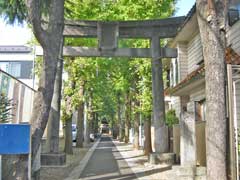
(108, 34)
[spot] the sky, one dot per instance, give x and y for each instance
(20, 34)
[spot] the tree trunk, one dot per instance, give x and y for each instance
(211, 18)
(52, 144)
(80, 120)
(120, 120)
(136, 130)
(160, 129)
(147, 134)
(50, 39)
(96, 123)
(127, 118)
(68, 136)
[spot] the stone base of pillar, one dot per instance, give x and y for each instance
(153, 158)
(189, 172)
(185, 172)
(161, 144)
(167, 158)
(164, 158)
(53, 159)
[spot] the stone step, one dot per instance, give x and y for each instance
(200, 178)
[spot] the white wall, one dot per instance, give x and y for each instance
(176, 104)
(16, 57)
(182, 60)
(195, 54)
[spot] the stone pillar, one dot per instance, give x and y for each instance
(161, 144)
(188, 138)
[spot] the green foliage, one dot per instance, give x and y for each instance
(13, 10)
(171, 118)
(6, 106)
(38, 64)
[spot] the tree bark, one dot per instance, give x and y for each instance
(160, 129)
(136, 129)
(211, 18)
(50, 40)
(96, 123)
(80, 119)
(120, 120)
(68, 136)
(52, 143)
(147, 134)
(127, 118)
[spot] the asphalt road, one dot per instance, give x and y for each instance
(106, 163)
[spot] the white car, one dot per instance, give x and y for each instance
(92, 138)
(74, 132)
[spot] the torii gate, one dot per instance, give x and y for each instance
(108, 34)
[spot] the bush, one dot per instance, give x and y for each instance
(171, 118)
(6, 106)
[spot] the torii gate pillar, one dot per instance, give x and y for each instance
(160, 141)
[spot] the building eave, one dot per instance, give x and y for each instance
(190, 83)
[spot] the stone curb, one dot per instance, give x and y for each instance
(77, 171)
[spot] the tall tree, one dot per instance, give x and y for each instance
(80, 118)
(52, 143)
(127, 116)
(147, 134)
(49, 35)
(211, 16)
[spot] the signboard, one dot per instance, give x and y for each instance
(14, 139)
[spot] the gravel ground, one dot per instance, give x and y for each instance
(60, 173)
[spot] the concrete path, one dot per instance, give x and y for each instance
(138, 163)
(106, 163)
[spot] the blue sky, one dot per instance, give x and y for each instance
(19, 35)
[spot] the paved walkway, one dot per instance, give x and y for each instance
(106, 163)
(113, 160)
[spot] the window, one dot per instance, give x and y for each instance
(15, 69)
(4, 66)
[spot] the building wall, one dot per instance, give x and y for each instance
(198, 95)
(195, 54)
(182, 60)
(176, 104)
(200, 143)
(16, 56)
